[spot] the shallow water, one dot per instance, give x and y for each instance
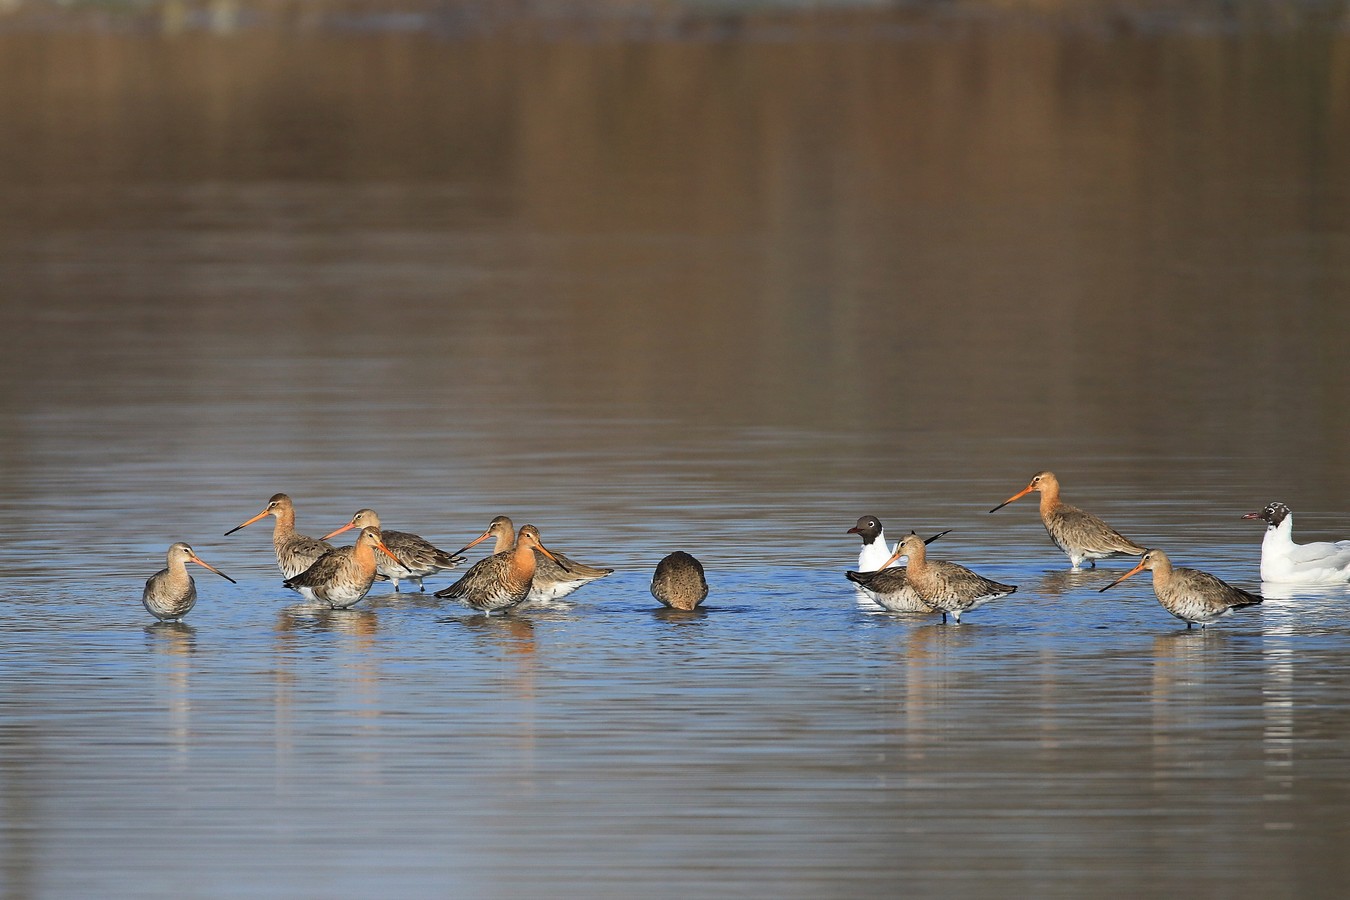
(715, 295)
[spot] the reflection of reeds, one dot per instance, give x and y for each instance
(618, 19)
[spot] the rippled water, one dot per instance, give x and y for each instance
(715, 295)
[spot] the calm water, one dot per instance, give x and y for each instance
(722, 294)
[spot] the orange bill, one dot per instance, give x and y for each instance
(474, 543)
(1136, 569)
(249, 522)
(201, 562)
(333, 534)
(1017, 496)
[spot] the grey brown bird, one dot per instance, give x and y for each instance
(889, 586)
(1192, 596)
(1081, 535)
(171, 593)
(417, 557)
(945, 586)
(503, 579)
(679, 581)
(555, 575)
(343, 575)
(295, 552)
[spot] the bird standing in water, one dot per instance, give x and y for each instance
(295, 552)
(343, 575)
(1081, 535)
(888, 585)
(1192, 596)
(555, 576)
(503, 579)
(945, 586)
(416, 557)
(171, 593)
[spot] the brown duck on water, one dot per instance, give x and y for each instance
(679, 581)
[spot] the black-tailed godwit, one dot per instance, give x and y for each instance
(170, 593)
(417, 557)
(555, 576)
(1081, 535)
(295, 552)
(889, 586)
(679, 581)
(945, 586)
(502, 580)
(343, 575)
(1192, 596)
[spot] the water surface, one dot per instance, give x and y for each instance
(720, 295)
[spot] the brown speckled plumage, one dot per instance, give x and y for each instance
(1193, 596)
(171, 593)
(417, 557)
(679, 581)
(295, 552)
(945, 586)
(502, 580)
(551, 580)
(343, 575)
(1082, 536)
(890, 589)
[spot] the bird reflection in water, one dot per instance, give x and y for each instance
(515, 634)
(1067, 581)
(175, 638)
(360, 623)
(1180, 698)
(511, 638)
(920, 672)
(696, 616)
(175, 642)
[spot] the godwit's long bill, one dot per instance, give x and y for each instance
(945, 586)
(556, 575)
(502, 580)
(415, 557)
(295, 552)
(343, 575)
(679, 581)
(171, 593)
(1193, 596)
(888, 585)
(1283, 561)
(1082, 536)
